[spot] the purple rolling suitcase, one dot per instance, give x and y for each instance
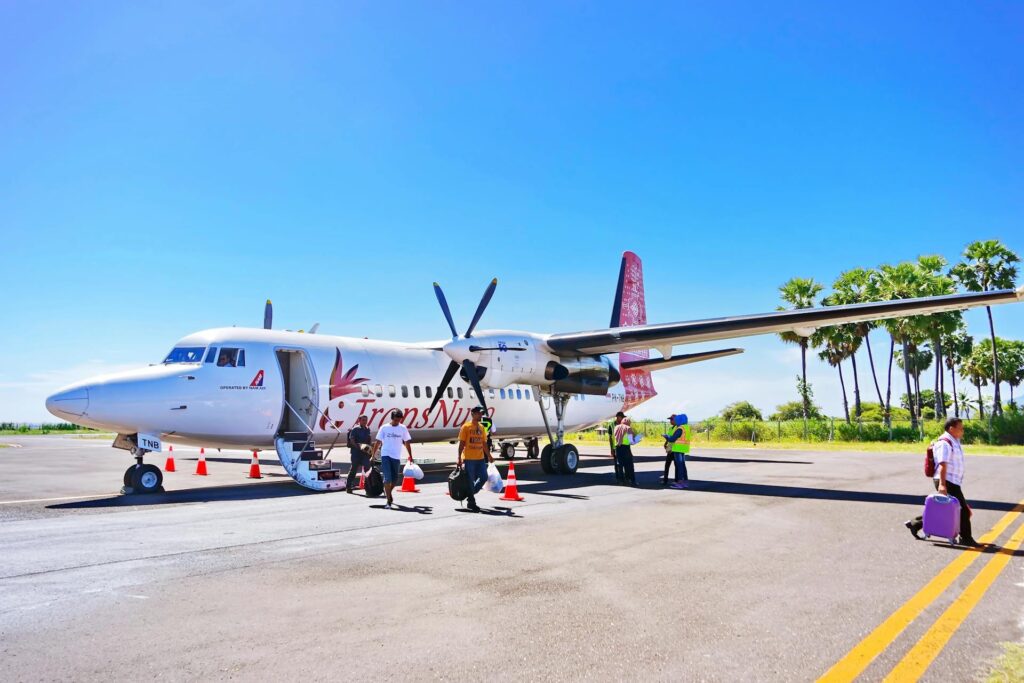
(941, 517)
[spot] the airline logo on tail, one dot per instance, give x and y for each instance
(631, 309)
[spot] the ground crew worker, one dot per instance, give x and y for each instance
(619, 416)
(677, 447)
(624, 451)
(472, 441)
(359, 440)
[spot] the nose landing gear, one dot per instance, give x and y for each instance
(141, 477)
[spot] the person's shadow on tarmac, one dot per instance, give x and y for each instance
(421, 509)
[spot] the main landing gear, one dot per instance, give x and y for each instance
(140, 477)
(557, 457)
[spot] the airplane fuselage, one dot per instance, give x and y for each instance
(239, 387)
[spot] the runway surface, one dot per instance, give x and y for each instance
(775, 566)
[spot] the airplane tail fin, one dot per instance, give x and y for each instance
(630, 309)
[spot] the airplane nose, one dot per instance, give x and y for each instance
(70, 403)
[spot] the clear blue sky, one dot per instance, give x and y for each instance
(166, 168)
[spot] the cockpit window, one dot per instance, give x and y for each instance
(185, 354)
(211, 355)
(229, 358)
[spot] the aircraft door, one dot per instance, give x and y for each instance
(300, 391)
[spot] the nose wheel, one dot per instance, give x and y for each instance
(142, 477)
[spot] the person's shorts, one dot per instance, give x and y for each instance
(391, 470)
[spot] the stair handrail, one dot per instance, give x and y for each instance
(327, 421)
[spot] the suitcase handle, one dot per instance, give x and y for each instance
(941, 498)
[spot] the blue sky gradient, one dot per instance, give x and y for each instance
(166, 169)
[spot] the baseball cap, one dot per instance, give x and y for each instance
(477, 409)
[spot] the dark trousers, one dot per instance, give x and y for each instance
(618, 465)
(476, 470)
(360, 460)
(624, 460)
(955, 491)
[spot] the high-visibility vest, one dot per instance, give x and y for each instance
(625, 437)
(682, 444)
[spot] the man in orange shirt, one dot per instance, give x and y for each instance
(473, 450)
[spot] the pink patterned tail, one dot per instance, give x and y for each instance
(630, 309)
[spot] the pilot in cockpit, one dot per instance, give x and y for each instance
(225, 360)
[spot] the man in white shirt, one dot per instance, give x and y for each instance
(388, 443)
(949, 476)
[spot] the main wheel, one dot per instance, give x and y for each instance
(147, 478)
(128, 473)
(508, 450)
(545, 460)
(532, 448)
(566, 459)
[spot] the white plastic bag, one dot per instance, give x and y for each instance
(494, 482)
(413, 471)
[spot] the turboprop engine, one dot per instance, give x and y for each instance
(582, 375)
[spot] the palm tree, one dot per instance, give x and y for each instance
(852, 287)
(974, 369)
(958, 346)
(902, 281)
(1013, 365)
(987, 265)
(920, 360)
(836, 348)
(966, 402)
(937, 325)
(799, 292)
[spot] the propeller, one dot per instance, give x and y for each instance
(268, 315)
(468, 367)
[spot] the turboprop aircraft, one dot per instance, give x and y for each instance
(256, 388)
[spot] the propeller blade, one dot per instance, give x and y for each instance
(473, 348)
(488, 293)
(453, 367)
(444, 308)
(469, 369)
(316, 326)
(268, 315)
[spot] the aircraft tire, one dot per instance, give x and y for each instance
(508, 450)
(128, 474)
(566, 459)
(532, 449)
(545, 460)
(147, 479)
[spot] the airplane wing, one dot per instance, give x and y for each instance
(803, 321)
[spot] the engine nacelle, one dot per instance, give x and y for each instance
(582, 375)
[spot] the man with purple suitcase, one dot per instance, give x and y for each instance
(941, 511)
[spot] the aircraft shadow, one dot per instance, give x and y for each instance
(989, 549)
(774, 491)
(283, 489)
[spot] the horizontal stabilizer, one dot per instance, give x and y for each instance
(652, 364)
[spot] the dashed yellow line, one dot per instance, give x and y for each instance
(865, 652)
(916, 662)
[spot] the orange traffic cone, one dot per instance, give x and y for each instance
(511, 491)
(254, 468)
(201, 465)
(169, 465)
(409, 484)
(362, 480)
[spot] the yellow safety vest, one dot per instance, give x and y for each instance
(682, 444)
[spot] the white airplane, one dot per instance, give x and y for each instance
(259, 388)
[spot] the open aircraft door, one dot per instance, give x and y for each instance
(301, 395)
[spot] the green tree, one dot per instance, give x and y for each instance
(988, 265)
(902, 281)
(1011, 356)
(855, 287)
(741, 410)
(794, 410)
(937, 325)
(920, 360)
(799, 292)
(974, 368)
(957, 346)
(837, 342)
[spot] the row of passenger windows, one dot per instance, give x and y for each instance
(453, 392)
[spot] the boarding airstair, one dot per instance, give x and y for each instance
(305, 463)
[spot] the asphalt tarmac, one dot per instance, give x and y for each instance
(774, 565)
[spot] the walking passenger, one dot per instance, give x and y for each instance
(677, 447)
(949, 477)
(359, 440)
(624, 451)
(390, 439)
(472, 445)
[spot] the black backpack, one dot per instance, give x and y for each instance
(374, 483)
(458, 484)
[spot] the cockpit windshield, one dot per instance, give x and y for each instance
(185, 354)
